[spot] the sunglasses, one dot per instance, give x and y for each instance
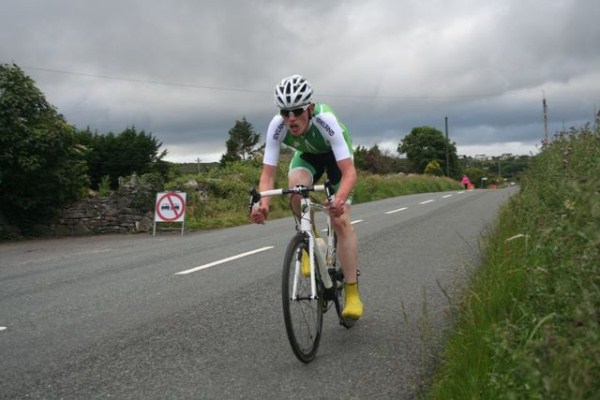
(296, 111)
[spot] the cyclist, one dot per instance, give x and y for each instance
(322, 144)
(465, 181)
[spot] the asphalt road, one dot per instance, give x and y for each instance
(114, 317)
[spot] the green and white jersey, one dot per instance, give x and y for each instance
(325, 133)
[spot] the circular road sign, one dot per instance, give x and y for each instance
(170, 207)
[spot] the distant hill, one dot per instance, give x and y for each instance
(194, 168)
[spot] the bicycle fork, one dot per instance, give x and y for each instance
(315, 256)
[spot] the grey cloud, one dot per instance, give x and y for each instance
(187, 70)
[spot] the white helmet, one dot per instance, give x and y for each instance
(293, 92)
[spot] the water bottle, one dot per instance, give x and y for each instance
(320, 249)
(320, 242)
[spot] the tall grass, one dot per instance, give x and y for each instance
(529, 323)
(371, 187)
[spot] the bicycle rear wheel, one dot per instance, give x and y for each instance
(303, 316)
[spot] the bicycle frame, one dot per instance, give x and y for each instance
(307, 295)
(305, 226)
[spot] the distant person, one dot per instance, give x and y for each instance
(466, 181)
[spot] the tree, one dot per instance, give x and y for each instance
(360, 158)
(41, 165)
(241, 144)
(122, 155)
(425, 144)
(376, 161)
(433, 168)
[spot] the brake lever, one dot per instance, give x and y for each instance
(254, 198)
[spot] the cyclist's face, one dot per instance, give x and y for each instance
(297, 125)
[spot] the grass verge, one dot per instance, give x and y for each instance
(529, 323)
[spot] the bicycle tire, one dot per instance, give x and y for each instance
(303, 316)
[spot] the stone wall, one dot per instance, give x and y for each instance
(128, 210)
(112, 214)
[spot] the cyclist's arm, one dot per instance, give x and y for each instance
(267, 181)
(333, 131)
(275, 134)
(347, 183)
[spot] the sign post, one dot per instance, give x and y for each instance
(483, 180)
(169, 207)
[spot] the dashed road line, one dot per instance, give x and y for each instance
(212, 264)
(423, 202)
(395, 211)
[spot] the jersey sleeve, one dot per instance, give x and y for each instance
(333, 131)
(275, 135)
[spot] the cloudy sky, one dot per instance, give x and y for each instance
(186, 70)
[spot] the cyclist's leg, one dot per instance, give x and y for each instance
(347, 244)
(301, 172)
(305, 169)
(348, 254)
(347, 250)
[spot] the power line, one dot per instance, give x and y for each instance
(153, 82)
(230, 89)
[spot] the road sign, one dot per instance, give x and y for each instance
(170, 207)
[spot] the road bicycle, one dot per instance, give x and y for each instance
(312, 278)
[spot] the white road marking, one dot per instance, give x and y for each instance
(351, 223)
(427, 201)
(395, 211)
(446, 196)
(2, 328)
(212, 264)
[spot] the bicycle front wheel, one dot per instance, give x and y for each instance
(303, 315)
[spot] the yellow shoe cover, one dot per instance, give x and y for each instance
(353, 307)
(305, 264)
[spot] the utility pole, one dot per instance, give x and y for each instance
(447, 150)
(545, 107)
(198, 164)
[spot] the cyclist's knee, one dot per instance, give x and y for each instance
(341, 224)
(299, 176)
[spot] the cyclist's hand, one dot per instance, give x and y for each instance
(259, 214)
(337, 207)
